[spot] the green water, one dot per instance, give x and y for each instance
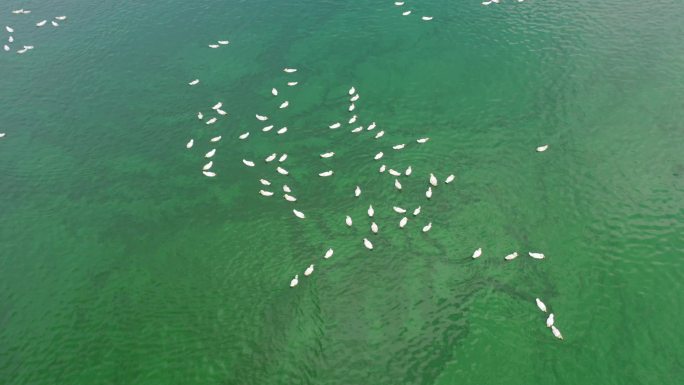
(120, 263)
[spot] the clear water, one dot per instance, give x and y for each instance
(121, 264)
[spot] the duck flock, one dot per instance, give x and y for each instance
(11, 41)
(409, 12)
(273, 167)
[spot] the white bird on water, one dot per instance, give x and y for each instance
(374, 227)
(281, 131)
(416, 211)
(542, 148)
(450, 179)
(326, 173)
(397, 184)
(221, 112)
(536, 255)
(6, 48)
(379, 134)
(403, 222)
(223, 42)
(200, 115)
(9, 29)
(556, 333)
(368, 244)
(282, 158)
(398, 3)
(327, 154)
(352, 90)
(60, 18)
(477, 253)
(271, 158)
(248, 163)
(335, 125)
(511, 256)
(398, 210)
(267, 128)
(398, 147)
(540, 305)
(214, 46)
(292, 84)
(289, 70)
(309, 270)
(215, 139)
(357, 191)
(422, 140)
(210, 153)
(406, 13)
(354, 98)
(211, 121)
(244, 136)
(190, 143)
(352, 120)
(208, 165)
(433, 179)
(371, 127)
(394, 172)
(295, 281)
(265, 182)
(282, 171)
(428, 193)
(298, 214)
(265, 193)
(261, 117)
(371, 211)
(328, 254)
(427, 227)
(209, 174)
(550, 320)
(192, 83)
(54, 23)
(408, 171)
(287, 188)
(357, 129)
(289, 198)
(352, 107)
(379, 155)
(383, 168)
(348, 221)
(284, 104)
(427, 18)
(217, 106)
(274, 92)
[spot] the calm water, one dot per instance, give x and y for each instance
(121, 264)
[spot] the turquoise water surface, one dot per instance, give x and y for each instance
(120, 263)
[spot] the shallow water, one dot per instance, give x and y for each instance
(121, 264)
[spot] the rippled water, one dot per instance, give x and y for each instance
(121, 264)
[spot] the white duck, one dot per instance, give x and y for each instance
(511, 256)
(428, 193)
(398, 210)
(403, 222)
(541, 305)
(449, 179)
(537, 255)
(298, 214)
(190, 143)
(211, 153)
(556, 333)
(295, 281)
(371, 211)
(397, 184)
(248, 163)
(309, 270)
(378, 156)
(328, 155)
(433, 180)
(348, 221)
(326, 173)
(427, 227)
(265, 193)
(357, 191)
(335, 125)
(368, 244)
(542, 148)
(328, 254)
(477, 253)
(374, 228)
